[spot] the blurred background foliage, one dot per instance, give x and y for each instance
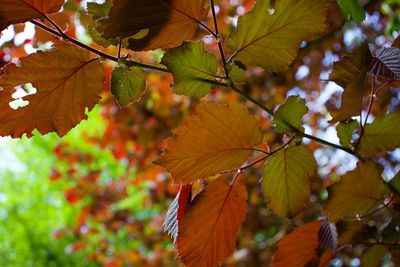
(93, 198)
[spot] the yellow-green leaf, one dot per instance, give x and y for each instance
(215, 138)
(381, 135)
(67, 82)
(189, 64)
(345, 132)
(207, 232)
(289, 115)
(350, 73)
(270, 36)
(128, 84)
(357, 193)
(286, 180)
(352, 9)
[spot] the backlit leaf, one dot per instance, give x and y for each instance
(270, 36)
(352, 9)
(215, 138)
(286, 178)
(350, 73)
(381, 135)
(208, 230)
(189, 63)
(290, 114)
(357, 193)
(299, 247)
(153, 23)
(386, 63)
(67, 82)
(373, 257)
(128, 84)
(18, 11)
(345, 132)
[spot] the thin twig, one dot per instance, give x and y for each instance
(93, 50)
(119, 49)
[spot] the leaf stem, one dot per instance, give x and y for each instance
(218, 39)
(64, 36)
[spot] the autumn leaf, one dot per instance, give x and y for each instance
(60, 102)
(152, 24)
(128, 84)
(300, 247)
(289, 115)
(352, 9)
(350, 73)
(19, 11)
(357, 193)
(189, 64)
(354, 232)
(270, 36)
(345, 131)
(286, 178)
(215, 138)
(177, 210)
(208, 230)
(386, 63)
(381, 135)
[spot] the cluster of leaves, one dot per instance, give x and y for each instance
(210, 153)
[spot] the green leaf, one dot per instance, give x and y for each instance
(381, 135)
(352, 9)
(286, 180)
(270, 36)
(357, 193)
(128, 84)
(345, 132)
(350, 73)
(373, 257)
(236, 74)
(99, 10)
(394, 184)
(190, 64)
(290, 114)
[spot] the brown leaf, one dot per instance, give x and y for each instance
(157, 23)
(215, 138)
(18, 11)
(207, 233)
(67, 82)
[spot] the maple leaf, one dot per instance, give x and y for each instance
(211, 140)
(128, 84)
(270, 36)
(153, 23)
(381, 135)
(357, 193)
(67, 82)
(18, 11)
(350, 73)
(190, 64)
(286, 180)
(300, 247)
(207, 233)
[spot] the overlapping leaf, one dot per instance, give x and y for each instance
(18, 11)
(290, 114)
(207, 233)
(67, 82)
(286, 180)
(350, 73)
(345, 132)
(153, 23)
(352, 9)
(128, 84)
(381, 135)
(386, 63)
(357, 193)
(215, 138)
(270, 36)
(300, 247)
(190, 63)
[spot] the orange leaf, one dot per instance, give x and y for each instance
(67, 81)
(18, 11)
(207, 233)
(157, 23)
(216, 138)
(299, 247)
